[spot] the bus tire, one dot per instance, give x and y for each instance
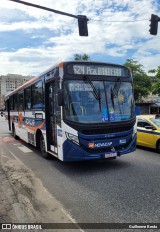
(14, 132)
(42, 148)
(158, 146)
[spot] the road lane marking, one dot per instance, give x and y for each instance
(25, 149)
(6, 134)
(72, 219)
(15, 156)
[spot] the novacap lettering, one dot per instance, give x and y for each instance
(107, 144)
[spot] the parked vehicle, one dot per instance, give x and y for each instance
(148, 131)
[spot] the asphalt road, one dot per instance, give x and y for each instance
(123, 190)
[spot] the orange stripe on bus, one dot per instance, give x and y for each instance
(60, 65)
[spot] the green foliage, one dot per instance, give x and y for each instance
(141, 82)
(81, 57)
(156, 84)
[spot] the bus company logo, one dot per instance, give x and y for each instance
(30, 122)
(97, 145)
(91, 145)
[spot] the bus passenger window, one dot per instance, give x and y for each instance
(27, 98)
(15, 102)
(37, 96)
(11, 103)
(20, 96)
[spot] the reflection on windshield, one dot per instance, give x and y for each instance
(82, 106)
(156, 121)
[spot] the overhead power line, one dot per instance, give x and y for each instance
(83, 20)
(119, 21)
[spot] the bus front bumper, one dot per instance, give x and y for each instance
(73, 152)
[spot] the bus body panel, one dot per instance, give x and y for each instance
(64, 140)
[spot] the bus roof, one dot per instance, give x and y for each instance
(60, 65)
(32, 80)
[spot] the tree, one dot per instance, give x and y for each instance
(81, 57)
(141, 82)
(156, 84)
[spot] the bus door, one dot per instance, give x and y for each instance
(7, 106)
(51, 119)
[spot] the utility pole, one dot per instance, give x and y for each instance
(82, 19)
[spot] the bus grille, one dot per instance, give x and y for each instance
(106, 130)
(106, 149)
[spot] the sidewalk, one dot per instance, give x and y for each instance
(22, 203)
(23, 198)
(8, 200)
(9, 204)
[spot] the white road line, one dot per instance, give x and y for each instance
(25, 149)
(72, 219)
(7, 134)
(15, 156)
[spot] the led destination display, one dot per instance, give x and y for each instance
(97, 70)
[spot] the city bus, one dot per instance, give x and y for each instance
(76, 110)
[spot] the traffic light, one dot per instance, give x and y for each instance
(82, 24)
(154, 24)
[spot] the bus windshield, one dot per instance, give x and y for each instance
(98, 101)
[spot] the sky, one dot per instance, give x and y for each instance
(32, 40)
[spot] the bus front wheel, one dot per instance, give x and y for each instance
(42, 147)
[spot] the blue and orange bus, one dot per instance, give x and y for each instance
(76, 110)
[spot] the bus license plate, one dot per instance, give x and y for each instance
(112, 154)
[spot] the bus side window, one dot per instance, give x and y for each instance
(27, 98)
(15, 101)
(37, 95)
(11, 103)
(20, 98)
(57, 108)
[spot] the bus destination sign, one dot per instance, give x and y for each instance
(96, 70)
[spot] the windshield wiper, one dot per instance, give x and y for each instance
(95, 93)
(115, 90)
(116, 87)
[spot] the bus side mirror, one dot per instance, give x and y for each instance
(60, 97)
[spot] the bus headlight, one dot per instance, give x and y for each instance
(134, 130)
(73, 138)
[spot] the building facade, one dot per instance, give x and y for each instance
(149, 105)
(10, 82)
